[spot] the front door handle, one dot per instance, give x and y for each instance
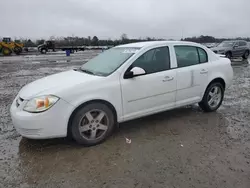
(204, 71)
(167, 78)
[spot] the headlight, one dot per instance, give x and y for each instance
(40, 104)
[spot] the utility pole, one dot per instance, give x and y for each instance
(182, 37)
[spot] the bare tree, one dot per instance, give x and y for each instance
(124, 37)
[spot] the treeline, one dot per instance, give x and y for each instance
(82, 41)
(95, 41)
(210, 39)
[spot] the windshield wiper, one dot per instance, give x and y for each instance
(87, 71)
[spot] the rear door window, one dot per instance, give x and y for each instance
(242, 43)
(190, 55)
(186, 56)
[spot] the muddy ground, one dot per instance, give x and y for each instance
(179, 148)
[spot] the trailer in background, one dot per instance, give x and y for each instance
(51, 46)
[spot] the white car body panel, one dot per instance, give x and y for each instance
(56, 82)
(52, 123)
(131, 98)
(153, 92)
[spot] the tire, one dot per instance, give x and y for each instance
(17, 50)
(228, 55)
(206, 100)
(6, 51)
(44, 50)
(93, 131)
(246, 54)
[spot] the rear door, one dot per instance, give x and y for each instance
(192, 74)
(236, 51)
(242, 48)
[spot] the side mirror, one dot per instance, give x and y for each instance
(136, 71)
(236, 46)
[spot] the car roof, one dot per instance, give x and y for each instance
(234, 41)
(155, 43)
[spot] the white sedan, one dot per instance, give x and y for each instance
(123, 83)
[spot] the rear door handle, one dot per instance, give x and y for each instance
(204, 71)
(167, 78)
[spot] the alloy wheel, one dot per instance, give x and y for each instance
(214, 97)
(93, 124)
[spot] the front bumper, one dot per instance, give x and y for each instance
(52, 123)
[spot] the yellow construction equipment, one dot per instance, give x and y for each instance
(7, 47)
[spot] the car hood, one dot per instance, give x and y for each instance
(56, 82)
(41, 45)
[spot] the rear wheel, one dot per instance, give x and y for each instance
(213, 97)
(26, 49)
(229, 55)
(6, 51)
(246, 55)
(92, 124)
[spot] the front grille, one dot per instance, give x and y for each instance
(19, 101)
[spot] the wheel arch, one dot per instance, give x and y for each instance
(214, 80)
(204, 105)
(218, 79)
(229, 51)
(111, 106)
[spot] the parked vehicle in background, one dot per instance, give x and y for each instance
(123, 83)
(51, 45)
(233, 48)
(97, 47)
(210, 45)
(7, 46)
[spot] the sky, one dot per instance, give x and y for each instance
(169, 19)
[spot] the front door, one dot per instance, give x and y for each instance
(152, 92)
(192, 74)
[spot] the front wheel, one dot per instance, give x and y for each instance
(92, 124)
(228, 55)
(246, 54)
(212, 98)
(44, 50)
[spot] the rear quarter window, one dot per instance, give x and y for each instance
(202, 55)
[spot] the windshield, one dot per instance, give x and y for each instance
(108, 61)
(226, 44)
